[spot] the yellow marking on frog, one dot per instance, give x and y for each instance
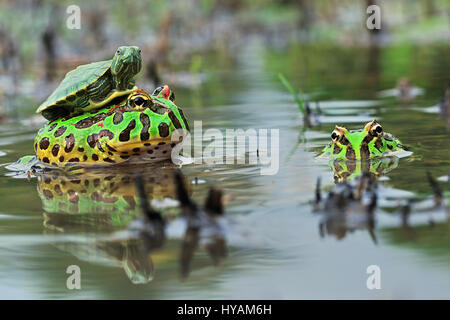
(127, 146)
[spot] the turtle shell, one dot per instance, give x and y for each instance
(74, 83)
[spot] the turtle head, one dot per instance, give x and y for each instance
(126, 64)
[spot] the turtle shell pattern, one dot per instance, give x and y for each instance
(71, 91)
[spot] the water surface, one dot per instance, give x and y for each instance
(274, 247)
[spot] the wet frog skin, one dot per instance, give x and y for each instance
(371, 142)
(138, 128)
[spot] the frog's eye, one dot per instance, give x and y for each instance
(172, 96)
(335, 136)
(377, 130)
(157, 91)
(139, 101)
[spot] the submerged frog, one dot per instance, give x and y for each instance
(370, 142)
(139, 128)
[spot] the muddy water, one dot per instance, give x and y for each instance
(274, 248)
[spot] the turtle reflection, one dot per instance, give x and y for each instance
(113, 222)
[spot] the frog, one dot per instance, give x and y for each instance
(137, 128)
(369, 143)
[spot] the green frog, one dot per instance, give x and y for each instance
(368, 143)
(138, 128)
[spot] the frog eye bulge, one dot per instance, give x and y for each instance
(139, 101)
(377, 130)
(172, 96)
(335, 136)
(157, 91)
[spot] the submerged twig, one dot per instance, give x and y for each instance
(198, 219)
(436, 190)
(148, 211)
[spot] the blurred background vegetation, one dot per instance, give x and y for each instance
(184, 39)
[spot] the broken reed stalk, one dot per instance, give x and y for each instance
(288, 86)
(148, 211)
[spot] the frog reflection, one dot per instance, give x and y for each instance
(104, 210)
(349, 206)
(346, 170)
(95, 205)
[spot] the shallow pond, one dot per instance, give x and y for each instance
(274, 247)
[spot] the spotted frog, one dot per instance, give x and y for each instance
(368, 143)
(138, 128)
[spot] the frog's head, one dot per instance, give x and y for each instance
(126, 63)
(368, 143)
(147, 128)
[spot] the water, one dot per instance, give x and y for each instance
(274, 247)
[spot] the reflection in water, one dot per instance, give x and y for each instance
(350, 205)
(96, 206)
(444, 107)
(403, 92)
(346, 170)
(202, 227)
(425, 225)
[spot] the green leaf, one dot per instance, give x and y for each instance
(288, 86)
